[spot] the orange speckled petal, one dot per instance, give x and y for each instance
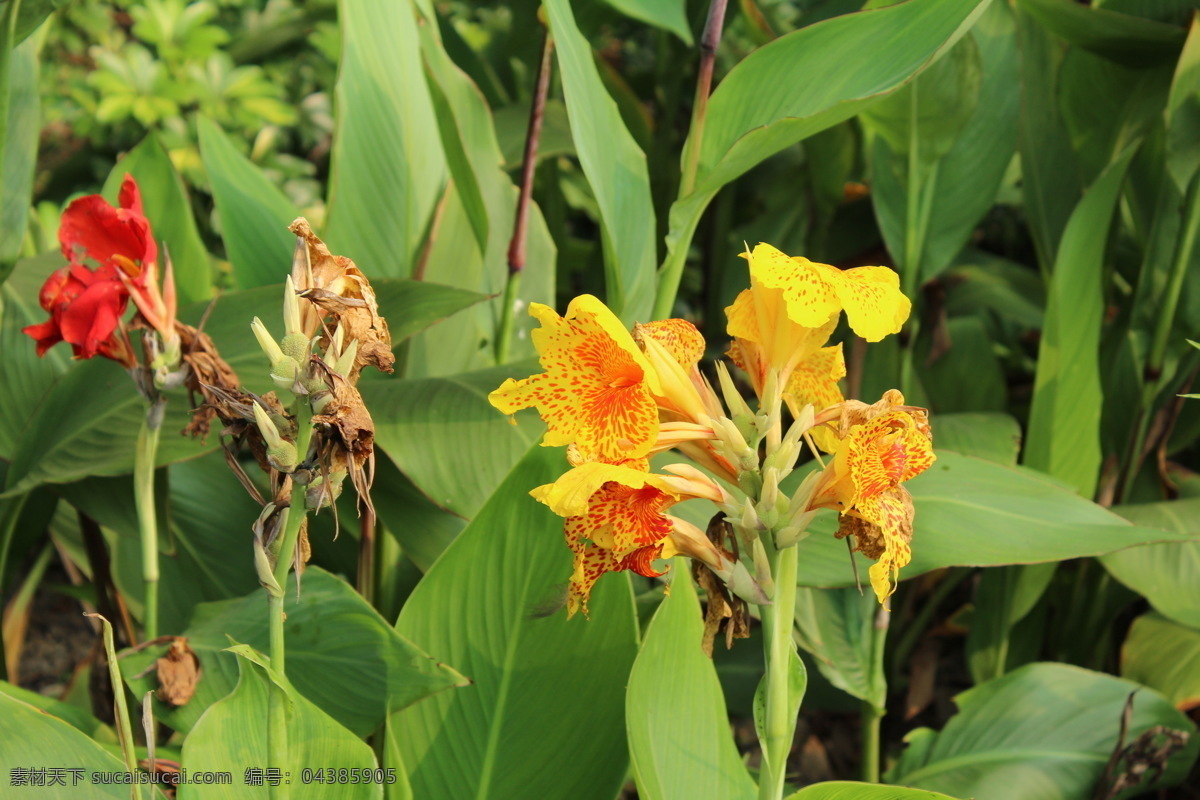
(918, 453)
(894, 518)
(815, 382)
(681, 339)
(596, 391)
(871, 297)
(572, 494)
(810, 300)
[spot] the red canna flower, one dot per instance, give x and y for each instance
(86, 305)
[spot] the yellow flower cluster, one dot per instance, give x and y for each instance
(617, 397)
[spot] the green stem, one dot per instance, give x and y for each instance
(291, 535)
(1185, 245)
(780, 724)
(872, 715)
(143, 498)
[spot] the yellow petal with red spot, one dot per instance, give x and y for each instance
(571, 494)
(815, 382)
(810, 299)
(680, 338)
(891, 515)
(871, 297)
(591, 562)
(597, 389)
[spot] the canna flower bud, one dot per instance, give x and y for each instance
(280, 452)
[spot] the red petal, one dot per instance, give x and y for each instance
(130, 197)
(46, 334)
(101, 231)
(56, 289)
(93, 316)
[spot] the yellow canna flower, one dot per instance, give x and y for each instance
(813, 292)
(598, 389)
(784, 319)
(862, 482)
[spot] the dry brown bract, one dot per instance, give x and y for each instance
(207, 375)
(339, 291)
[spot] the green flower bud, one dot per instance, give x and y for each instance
(283, 456)
(296, 346)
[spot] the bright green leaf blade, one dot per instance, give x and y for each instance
(1003, 597)
(1165, 656)
(1064, 420)
(393, 759)
(835, 627)
(971, 512)
(992, 437)
(615, 167)
(544, 685)
(388, 169)
(412, 306)
(849, 790)
(1043, 731)
(1130, 40)
(25, 378)
(1183, 112)
(33, 739)
(19, 150)
(422, 528)
(253, 213)
(32, 14)
(233, 737)
(166, 203)
(454, 257)
(74, 716)
(341, 655)
(1167, 574)
(444, 435)
(972, 151)
(679, 736)
(670, 15)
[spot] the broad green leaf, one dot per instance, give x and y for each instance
(615, 167)
(233, 736)
(993, 437)
(1064, 420)
(1167, 574)
(74, 716)
(967, 107)
(512, 124)
(32, 14)
(985, 285)
(253, 212)
(1043, 731)
(446, 438)
(412, 306)
(388, 169)
(166, 203)
(811, 90)
(423, 528)
(679, 737)
(32, 739)
(19, 149)
(25, 378)
(971, 512)
(835, 626)
(544, 685)
(1183, 112)
(341, 655)
(1124, 38)
(204, 515)
(1050, 176)
(1165, 656)
(670, 15)
(849, 790)
(454, 256)
(392, 759)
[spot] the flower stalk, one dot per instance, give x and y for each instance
(780, 723)
(516, 246)
(297, 513)
(143, 496)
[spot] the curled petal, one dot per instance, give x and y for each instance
(571, 495)
(679, 337)
(104, 233)
(814, 382)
